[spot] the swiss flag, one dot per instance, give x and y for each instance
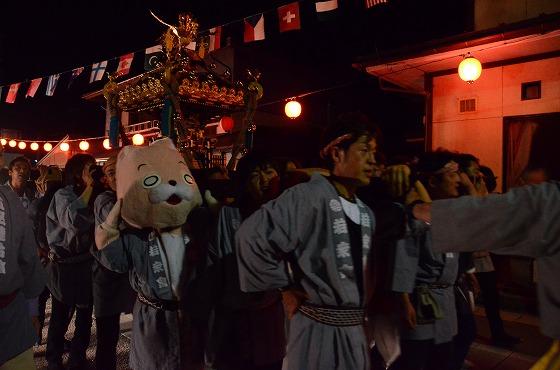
(288, 17)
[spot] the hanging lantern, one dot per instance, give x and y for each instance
(292, 109)
(106, 144)
(47, 147)
(226, 123)
(3, 142)
(12, 143)
(34, 146)
(84, 145)
(64, 147)
(470, 69)
(138, 139)
(22, 145)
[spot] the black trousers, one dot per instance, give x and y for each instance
(58, 325)
(424, 355)
(43, 298)
(108, 329)
(466, 334)
(491, 300)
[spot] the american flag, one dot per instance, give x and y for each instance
(371, 3)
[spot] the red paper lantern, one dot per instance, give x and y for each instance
(226, 123)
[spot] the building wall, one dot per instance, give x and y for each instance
(498, 94)
(492, 13)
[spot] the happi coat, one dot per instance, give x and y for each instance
(21, 276)
(161, 339)
(307, 225)
(70, 226)
(524, 221)
(112, 293)
(418, 268)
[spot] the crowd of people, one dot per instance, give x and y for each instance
(330, 268)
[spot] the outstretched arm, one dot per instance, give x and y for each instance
(523, 221)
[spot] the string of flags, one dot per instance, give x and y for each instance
(209, 40)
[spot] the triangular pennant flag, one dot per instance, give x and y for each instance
(215, 41)
(75, 73)
(33, 87)
(51, 84)
(253, 28)
(372, 3)
(192, 46)
(288, 17)
(154, 55)
(124, 64)
(97, 71)
(326, 9)
(12, 93)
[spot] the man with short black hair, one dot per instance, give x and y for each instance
(315, 240)
(19, 170)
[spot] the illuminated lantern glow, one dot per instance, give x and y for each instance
(34, 146)
(106, 144)
(227, 123)
(22, 145)
(84, 145)
(12, 143)
(138, 139)
(64, 147)
(3, 142)
(470, 69)
(292, 109)
(47, 147)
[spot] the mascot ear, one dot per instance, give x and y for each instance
(125, 152)
(165, 142)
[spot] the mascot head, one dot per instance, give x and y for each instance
(156, 186)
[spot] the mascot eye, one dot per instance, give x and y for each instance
(151, 181)
(188, 179)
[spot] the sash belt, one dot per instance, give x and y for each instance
(334, 316)
(159, 304)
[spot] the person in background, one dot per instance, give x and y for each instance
(487, 280)
(19, 171)
(47, 184)
(70, 233)
(21, 277)
(249, 327)
(112, 293)
(423, 279)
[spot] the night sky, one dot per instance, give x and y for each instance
(40, 38)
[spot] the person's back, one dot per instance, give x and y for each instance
(21, 277)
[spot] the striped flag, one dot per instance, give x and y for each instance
(124, 64)
(51, 84)
(75, 73)
(12, 93)
(326, 9)
(215, 41)
(253, 28)
(372, 3)
(33, 87)
(97, 71)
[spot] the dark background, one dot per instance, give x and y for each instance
(40, 38)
